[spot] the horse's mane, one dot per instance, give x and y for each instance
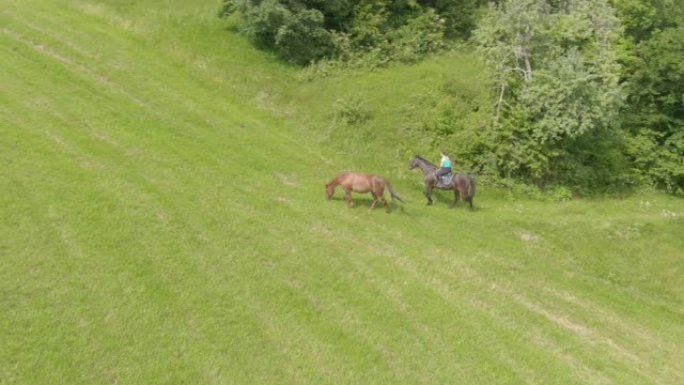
(425, 160)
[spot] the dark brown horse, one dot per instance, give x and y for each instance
(361, 183)
(461, 184)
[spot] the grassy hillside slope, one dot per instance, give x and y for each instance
(162, 220)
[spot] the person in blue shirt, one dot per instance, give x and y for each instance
(444, 165)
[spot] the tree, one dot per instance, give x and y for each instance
(655, 117)
(381, 31)
(641, 18)
(302, 39)
(652, 54)
(557, 79)
(457, 15)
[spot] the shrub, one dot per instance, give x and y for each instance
(302, 39)
(351, 111)
(264, 21)
(360, 33)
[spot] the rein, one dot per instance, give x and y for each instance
(425, 165)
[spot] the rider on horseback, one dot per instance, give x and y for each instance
(444, 166)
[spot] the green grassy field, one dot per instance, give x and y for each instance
(163, 221)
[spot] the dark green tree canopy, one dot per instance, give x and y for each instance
(302, 31)
(655, 117)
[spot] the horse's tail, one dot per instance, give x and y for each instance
(471, 191)
(392, 193)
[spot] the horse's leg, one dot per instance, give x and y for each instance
(428, 194)
(347, 196)
(380, 194)
(469, 199)
(456, 196)
(375, 200)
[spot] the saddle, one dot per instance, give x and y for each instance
(445, 180)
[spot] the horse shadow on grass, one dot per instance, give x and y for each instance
(443, 200)
(363, 203)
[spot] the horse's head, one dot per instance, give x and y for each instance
(329, 190)
(414, 162)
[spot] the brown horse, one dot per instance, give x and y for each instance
(461, 184)
(361, 183)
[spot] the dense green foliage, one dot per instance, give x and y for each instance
(556, 76)
(656, 114)
(378, 32)
(653, 115)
